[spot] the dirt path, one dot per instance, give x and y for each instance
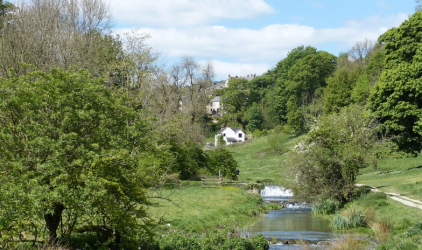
(397, 197)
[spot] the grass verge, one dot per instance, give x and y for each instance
(200, 208)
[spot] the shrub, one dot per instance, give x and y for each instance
(259, 242)
(414, 230)
(325, 207)
(259, 133)
(179, 241)
(277, 141)
(238, 244)
(272, 206)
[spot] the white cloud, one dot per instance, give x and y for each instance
(223, 69)
(247, 49)
(179, 13)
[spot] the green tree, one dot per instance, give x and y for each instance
(222, 160)
(72, 153)
(236, 98)
(306, 80)
(253, 117)
(282, 68)
(327, 161)
(279, 98)
(338, 92)
(397, 98)
(189, 159)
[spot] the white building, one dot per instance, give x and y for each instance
(214, 107)
(230, 135)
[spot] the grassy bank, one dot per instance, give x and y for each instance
(403, 176)
(202, 208)
(392, 224)
(258, 160)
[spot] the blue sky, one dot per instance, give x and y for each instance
(243, 37)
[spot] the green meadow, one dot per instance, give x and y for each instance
(201, 208)
(402, 176)
(259, 161)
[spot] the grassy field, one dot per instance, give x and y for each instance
(258, 161)
(201, 208)
(403, 176)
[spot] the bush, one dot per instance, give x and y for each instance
(260, 243)
(332, 153)
(272, 206)
(276, 141)
(373, 199)
(259, 133)
(179, 241)
(238, 244)
(325, 207)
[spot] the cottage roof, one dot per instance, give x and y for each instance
(221, 131)
(231, 139)
(216, 99)
(234, 129)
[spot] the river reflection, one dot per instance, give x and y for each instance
(294, 222)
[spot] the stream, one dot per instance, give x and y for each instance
(293, 223)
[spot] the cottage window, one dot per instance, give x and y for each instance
(240, 135)
(224, 134)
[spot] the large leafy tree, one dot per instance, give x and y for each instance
(236, 99)
(306, 80)
(397, 98)
(71, 154)
(338, 92)
(279, 98)
(327, 160)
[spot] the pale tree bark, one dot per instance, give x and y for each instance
(361, 51)
(54, 34)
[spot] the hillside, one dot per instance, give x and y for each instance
(258, 161)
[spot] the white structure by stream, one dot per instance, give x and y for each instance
(275, 191)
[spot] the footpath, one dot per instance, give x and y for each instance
(397, 197)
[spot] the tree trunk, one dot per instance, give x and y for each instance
(52, 222)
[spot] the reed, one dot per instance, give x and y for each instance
(352, 217)
(325, 207)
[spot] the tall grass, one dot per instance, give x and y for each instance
(349, 243)
(325, 207)
(352, 217)
(382, 228)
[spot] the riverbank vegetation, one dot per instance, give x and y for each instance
(98, 141)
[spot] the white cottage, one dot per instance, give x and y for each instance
(230, 135)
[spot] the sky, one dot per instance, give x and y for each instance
(242, 37)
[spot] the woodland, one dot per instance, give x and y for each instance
(90, 121)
